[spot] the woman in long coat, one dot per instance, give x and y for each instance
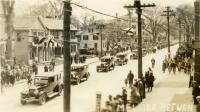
(140, 87)
(134, 98)
(151, 81)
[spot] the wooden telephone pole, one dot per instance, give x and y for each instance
(67, 56)
(197, 42)
(169, 13)
(138, 6)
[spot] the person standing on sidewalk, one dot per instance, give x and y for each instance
(46, 68)
(124, 98)
(164, 66)
(153, 62)
(195, 92)
(173, 66)
(53, 63)
(150, 82)
(2, 79)
(134, 98)
(140, 88)
(130, 78)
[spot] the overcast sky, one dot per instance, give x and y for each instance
(107, 6)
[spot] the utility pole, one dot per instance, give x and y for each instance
(138, 6)
(100, 27)
(179, 25)
(184, 28)
(67, 56)
(169, 13)
(197, 41)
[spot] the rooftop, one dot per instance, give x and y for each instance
(26, 23)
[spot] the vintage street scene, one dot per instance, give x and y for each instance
(100, 55)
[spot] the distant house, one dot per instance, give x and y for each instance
(26, 31)
(39, 38)
(133, 32)
(55, 27)
(90, 39)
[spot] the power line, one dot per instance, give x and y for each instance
(95, 11)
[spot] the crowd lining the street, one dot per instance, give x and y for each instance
(135, 89)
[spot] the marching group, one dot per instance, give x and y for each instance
(12, 73)
(178, 63)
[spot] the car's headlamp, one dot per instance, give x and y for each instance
(36, 91)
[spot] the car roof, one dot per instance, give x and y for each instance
(106, 57)
(79, 65)
(48, 74)
(121, 53)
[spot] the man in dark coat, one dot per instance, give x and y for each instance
(153, 62)
(150, 81)
(195, 92)
(130, 78)
(124, 98)
(45, 68)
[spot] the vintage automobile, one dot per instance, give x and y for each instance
(79, 72)
(144, 52)
(45, 86)
(134, 55)
(121, 59)
(107, 64)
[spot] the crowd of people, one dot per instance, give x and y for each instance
(12, 73)
(178, 63)
(132, 94)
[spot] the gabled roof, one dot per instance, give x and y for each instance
(27, 23)
(54, 24)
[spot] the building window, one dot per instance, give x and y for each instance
(95, 45)
(40, 33)
(72, 37)
(95, 37)
(78, 38)
(34, 33)
(85, 46)
(55, 34)
(88, 30)
(85, 37)
(18, 37)
(73, 48)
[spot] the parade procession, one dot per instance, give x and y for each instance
(77, 56)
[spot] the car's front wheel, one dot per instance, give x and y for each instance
(78, 81)
(23, 102)
(60, 90)
(42, 99)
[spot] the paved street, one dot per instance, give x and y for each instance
(83, 96)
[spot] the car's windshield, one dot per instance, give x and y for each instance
(40, 80)
(105, 60)
(121, 56)
(77, 68)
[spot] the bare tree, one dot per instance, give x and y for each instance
(153, 23)
(8, 9)
(186, 13)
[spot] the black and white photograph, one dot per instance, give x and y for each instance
(99, 55)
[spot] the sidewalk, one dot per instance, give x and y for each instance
(170, 94)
